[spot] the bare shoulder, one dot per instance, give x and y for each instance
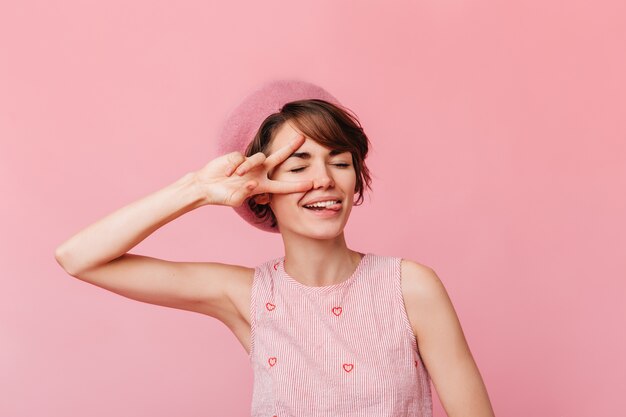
(423, 294)
(237, 285)
(233, 307)
(420, 280)
(241, 290)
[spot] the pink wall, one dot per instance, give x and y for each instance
(499, 153)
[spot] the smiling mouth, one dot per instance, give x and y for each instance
(334, 206)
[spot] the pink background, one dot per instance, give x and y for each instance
(499, 153)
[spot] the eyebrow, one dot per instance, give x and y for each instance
(306, 155)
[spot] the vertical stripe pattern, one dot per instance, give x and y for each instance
(340, 350)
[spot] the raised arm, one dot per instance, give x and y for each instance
(99, 254)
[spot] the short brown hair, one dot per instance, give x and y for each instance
(329, 125)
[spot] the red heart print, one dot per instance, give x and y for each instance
(348, 367)
(336, 311)
(272, 361)
(270, 306)
(276, 266)
(415, 363)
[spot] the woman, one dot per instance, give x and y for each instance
(330, 331)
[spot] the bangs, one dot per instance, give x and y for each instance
(324, 129)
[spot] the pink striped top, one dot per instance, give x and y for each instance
(342, 350)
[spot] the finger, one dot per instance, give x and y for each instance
(283, 153)
(234, 160)
(250, 163)
(285, 187)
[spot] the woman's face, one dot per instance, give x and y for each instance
(333, 177)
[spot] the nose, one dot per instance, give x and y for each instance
(322, 179)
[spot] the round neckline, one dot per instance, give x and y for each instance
(290, 279)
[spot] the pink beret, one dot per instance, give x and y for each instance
(244, 121)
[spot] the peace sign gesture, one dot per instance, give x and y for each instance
(231, 178)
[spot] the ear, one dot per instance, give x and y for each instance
(262, 198)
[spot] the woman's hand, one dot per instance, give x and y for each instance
(230, 179)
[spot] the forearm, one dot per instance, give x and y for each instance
(118, 232)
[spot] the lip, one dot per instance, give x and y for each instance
(325, 198)
(324, 213)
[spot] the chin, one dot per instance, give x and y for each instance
(323, 233)
(327, 232)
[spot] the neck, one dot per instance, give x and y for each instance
(319, 262)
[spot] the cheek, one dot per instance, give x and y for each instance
(281, 201)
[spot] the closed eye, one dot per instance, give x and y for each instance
(341, 165)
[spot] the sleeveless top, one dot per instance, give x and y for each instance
(338, 350)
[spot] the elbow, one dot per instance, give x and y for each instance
(63, 260)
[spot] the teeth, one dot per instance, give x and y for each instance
(323, 203)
